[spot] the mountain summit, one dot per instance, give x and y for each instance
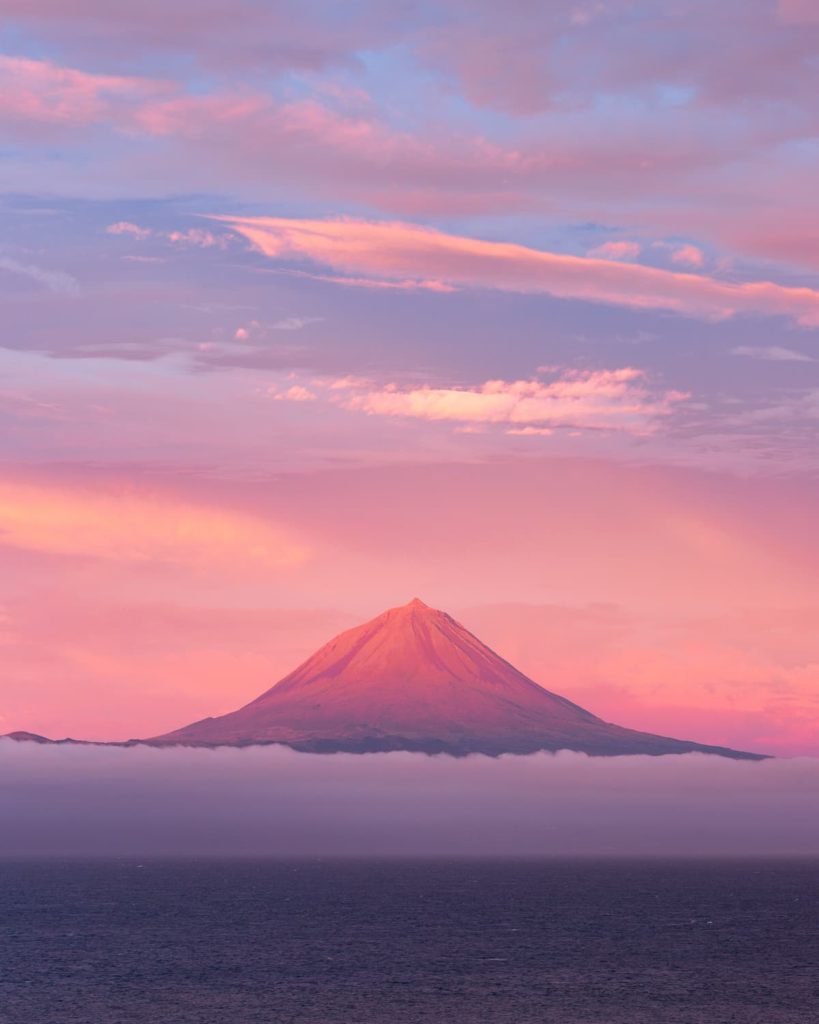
(415, 679)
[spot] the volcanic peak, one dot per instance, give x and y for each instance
(415, 679)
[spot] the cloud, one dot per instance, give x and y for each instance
(560, 55)
(125, 227)
(629, 163)
(530, 431)
(523, 61)
(40, 93)
(192, 236)
(386, 252)
(271, 801)
(688, 255)
(295, 323)
(238, 35)
(607, 399)
(771, 353)
(55, 280)
(378, 284)
(288, 323)
(127, 524)
(616, 251)
(296, 393)
(196, 236)
(683, 125)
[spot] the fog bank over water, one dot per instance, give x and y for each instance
(85, 800)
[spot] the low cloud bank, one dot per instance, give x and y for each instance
(74, 801)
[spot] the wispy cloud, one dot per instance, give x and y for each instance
(55, 280)
(129, 525)
(191, 236)
(772, 353)
(254, 328)
(390, 252)
(295, 323)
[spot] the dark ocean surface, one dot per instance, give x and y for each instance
(424, 942)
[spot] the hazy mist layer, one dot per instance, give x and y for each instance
(76, 801)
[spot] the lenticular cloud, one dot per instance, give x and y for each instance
(271, 801)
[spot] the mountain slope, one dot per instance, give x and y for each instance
(415, 679)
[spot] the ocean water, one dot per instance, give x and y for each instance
(234, 942)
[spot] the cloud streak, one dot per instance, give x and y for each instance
(771, 353)
(396, 251)
(57, 281)
(126, 524)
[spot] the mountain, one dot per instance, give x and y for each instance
(415, 679)
(29, 737)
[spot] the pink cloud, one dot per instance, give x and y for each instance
(532, 58)
(253, 136)
(124, 227)
(688, 255)
(38, 92)
(240, 34)
(559, 56)
(394, 251)
(192, 236)
(698, 148)
(196, 236)
(602, 399)
(335, 145)
(621, 250)
(295, 393)
(530, 431)
(192, 116)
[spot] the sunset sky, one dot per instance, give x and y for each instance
(311, 308)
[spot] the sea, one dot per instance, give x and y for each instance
(416, 942)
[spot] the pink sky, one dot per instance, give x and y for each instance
(513, 308)
(638, 592)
